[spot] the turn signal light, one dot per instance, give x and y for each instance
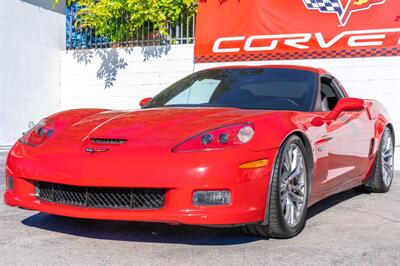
(254, 164)
(219, 138)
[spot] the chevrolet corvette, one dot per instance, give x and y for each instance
(248, 146)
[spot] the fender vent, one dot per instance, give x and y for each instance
(371, 148)
(108, 141)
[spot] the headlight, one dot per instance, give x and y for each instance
(219, 138)
(38, 134)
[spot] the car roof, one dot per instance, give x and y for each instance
(298, 67)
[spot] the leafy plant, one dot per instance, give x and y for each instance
(119, 18)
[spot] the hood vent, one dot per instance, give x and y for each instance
(108, 141)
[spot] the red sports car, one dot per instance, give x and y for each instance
(244, 146)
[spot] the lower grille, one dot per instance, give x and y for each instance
(96, 197)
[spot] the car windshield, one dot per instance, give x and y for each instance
(245, 88)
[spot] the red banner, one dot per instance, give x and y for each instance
(258, 30)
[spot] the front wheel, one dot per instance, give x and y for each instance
(289, 193)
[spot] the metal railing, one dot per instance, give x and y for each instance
(77, 38)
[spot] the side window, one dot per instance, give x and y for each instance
(339, 88)
(329, 96)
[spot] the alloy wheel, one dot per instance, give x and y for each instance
(387, 157)
(293, 182)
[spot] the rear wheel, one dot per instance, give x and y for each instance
(289, 193)
(382, 173)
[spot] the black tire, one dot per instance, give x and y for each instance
(277, 227)
(376, 182)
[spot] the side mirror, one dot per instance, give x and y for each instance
(346, 105)
(144, 101)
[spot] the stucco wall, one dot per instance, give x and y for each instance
(31, 36)
(138, 73)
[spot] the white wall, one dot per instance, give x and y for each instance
(31, 36)
(144, 75)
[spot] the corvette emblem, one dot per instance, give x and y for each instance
(340, 8)
(92, 151)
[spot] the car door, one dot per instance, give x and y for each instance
(348, 138)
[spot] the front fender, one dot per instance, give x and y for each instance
(270, 132)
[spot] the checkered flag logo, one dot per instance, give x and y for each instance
(336, 7)
(325, 6)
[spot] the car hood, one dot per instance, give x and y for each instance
(158, 124)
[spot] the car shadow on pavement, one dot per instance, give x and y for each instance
(139, 231)
(158, 232)
(330, 202)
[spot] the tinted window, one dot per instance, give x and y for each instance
(247, 88)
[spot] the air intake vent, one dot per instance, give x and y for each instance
(108, 141)
(97, 197)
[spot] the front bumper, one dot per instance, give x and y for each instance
(180, 174)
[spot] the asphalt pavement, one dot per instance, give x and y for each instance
(346, 229)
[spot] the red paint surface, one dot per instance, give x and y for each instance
(339, 151)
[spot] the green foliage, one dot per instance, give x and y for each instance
(106, 16)
(67, 2)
